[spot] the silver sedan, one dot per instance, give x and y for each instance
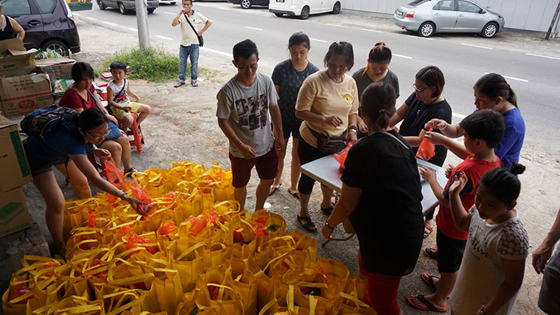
(452, 16)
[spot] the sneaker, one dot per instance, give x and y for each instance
(179, 84)
(194, 84)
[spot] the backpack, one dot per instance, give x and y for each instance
(46, 120)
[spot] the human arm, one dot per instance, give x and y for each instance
(415, 141)
(399, 114)
(175, 21)
(352, 133)
(17, 28)
(349, 199)
(447, 129)
(246, 150)
(457, 148)
(85, 166)
(277, 122)
(461, 217)
(206, 26)
(514, 271)
(430, 176)
(131, 94)
(543, 253)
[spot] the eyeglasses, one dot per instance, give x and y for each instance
(420, 90)
(99, 135)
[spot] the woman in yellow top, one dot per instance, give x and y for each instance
(328, 105)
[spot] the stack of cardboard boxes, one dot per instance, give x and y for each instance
(14, 173)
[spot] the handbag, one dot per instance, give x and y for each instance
(329, 145)
(200, 38)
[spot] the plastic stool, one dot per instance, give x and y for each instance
(98, 163)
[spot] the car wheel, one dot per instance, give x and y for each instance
(279, 14)
(427, 29)
(58, 46)
(122, 9)
(151, 10)
(101, 5)
(304, 13)
(336, 8)
(246, 4)
(489, 30)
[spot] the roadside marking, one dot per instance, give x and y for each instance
(476, 46)
(254, 28)
(132, 29)
(418, 37)
(368, 30)
(171, 13)
(163, 37)
(542, 56)
(402, 56)
(90, 18)
(459, 116)
(218, 52)
(109, 23)
(335, 25)
(318, 40)
(512, 78)
(75, 14)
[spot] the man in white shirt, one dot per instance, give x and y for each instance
(189, 40)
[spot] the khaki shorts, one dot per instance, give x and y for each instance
(119, 113)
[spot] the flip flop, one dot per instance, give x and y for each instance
(335, 197)
(327, 211)
(309, 226)
(432, 252)
(273, 189)
(294, 193)
(429, 280)
(421, 303)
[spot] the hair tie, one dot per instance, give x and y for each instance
(381, 111)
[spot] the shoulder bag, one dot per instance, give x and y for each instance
(200, 38)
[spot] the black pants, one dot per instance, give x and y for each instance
(307, 154)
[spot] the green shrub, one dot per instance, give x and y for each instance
(155, 65)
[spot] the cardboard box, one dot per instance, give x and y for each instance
(14, 170)
(14, 214)
(57, 68)
(25, 93)
(14, 59)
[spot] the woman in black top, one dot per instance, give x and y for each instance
(423, 105)
(9, 28)
(381, 195)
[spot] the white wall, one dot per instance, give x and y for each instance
(533, 15)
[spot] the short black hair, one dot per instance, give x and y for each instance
(432, 76)
(299, 38)
(485, 124)
(91, 118)
(117, 65)
(341, 48)
(81, 69)
(245, 49)
(502, 183)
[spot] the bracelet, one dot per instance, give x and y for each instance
(122, 195)
(352, 127)
(353, 130)
(329, 226)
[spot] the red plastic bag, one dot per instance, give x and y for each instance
(198, 224)
(167, 227)
(140, 194)
(134, 240)
(258, 226)
(426, 150)
(341, 157)
(114, 175)
(91, 219)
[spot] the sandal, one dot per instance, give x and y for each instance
(335, 197)
(432, 252)
(294, 193)
(429, 280)
(60, 252)
(421, 303)
(309, 226)
(327, 211)
(273, 189)
(428, 229)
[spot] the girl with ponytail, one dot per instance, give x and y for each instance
(493, 264)
(491, 91)
(381, 195)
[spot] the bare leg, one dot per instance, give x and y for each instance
(281, 156)
(126, 122)
(240, 194)
(115, 149)
(262, 192)
(143, 112)
(48, 187)
(444, 287)
(296, 165)
(77, 179)
(327, 194)
(304, 203)
(126, 152)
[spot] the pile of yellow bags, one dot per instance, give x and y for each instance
(194, 253)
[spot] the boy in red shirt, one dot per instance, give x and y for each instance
(483, 131)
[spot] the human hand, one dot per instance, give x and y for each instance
(436, 124)
(541, 256)
(113, 119)
(200, 33)
(435, 138)
(280, 143)
(333, 121)
(327, 232)
(459, 183)
(427, 173)
(127, 108)
(247, 151)
(363, 127)
(102, 153)
(352, 136)
(449, 170)
(136, 204)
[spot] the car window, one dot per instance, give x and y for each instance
(445, 5)
(465, 6)
(16, 7)
(45, 6)
(417, 2)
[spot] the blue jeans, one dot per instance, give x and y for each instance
(184, 53)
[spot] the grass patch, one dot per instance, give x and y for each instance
(155, 65)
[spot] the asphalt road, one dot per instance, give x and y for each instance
(536, 80)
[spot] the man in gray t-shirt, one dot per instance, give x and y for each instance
(549, 297)
(244, 104)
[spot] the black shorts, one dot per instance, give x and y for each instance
(267, 166)
(292, 129)
(450, 252)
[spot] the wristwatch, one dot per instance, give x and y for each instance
(353, 127)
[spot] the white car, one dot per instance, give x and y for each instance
(303, 8)
(172, 2)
